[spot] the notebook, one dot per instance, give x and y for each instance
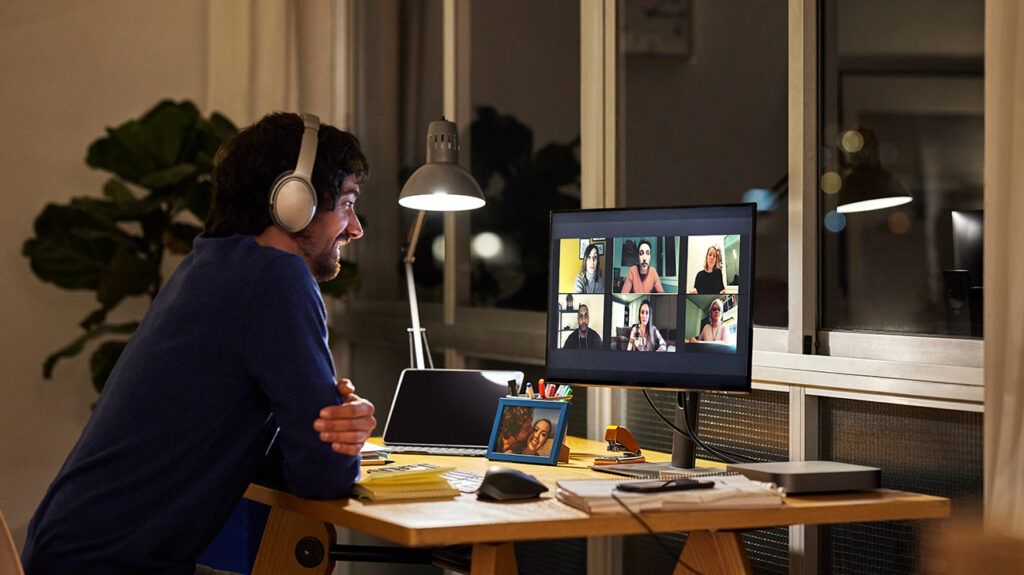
(730, 491)
(445, 411)
(415, 481)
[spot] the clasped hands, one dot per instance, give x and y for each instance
(347, 426)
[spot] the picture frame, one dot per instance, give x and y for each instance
(519, 432)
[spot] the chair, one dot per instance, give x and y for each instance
(10, 563)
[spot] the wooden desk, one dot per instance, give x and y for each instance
(491, 527)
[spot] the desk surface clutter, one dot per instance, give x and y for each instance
(490, 525)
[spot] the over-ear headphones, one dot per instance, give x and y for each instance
(292, 196)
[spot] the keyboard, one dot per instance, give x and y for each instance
(464, 481)
(467, 451)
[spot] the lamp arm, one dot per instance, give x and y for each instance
(414, 308)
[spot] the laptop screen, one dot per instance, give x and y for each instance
(446, 407)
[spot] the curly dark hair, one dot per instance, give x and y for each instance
(247, 165)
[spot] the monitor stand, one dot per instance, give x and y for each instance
(684, 452)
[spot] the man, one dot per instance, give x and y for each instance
(231, 358)
(584, 337)
(643, 278)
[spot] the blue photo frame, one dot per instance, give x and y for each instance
(520, 434)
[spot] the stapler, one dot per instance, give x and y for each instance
(620, 439)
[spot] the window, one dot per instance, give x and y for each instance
(525, 134)
(902, 117)
(704, 120)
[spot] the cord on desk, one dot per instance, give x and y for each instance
(677, 558)
(723, 454)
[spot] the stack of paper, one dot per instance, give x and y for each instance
(418, 481)
(730, 491)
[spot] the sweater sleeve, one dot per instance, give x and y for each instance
(288, 356)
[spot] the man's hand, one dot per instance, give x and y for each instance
(347, 426)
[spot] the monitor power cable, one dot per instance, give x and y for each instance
(723, 454)
(661, 543)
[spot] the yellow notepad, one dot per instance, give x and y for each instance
(416, 481)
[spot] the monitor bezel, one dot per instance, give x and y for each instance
(711, 382)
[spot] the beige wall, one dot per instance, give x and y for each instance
(67, 70)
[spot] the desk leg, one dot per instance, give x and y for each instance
(290, 537)
(715, 553)
(493, 559)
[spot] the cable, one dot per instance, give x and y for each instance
(724, 454)
(688, 433)
(661, 543)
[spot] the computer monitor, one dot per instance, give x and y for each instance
(675, 282)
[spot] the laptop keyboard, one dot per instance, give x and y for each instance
(464, 481)
(435, 450)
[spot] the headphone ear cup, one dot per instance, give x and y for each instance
(292, 202)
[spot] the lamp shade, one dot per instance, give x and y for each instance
(870, 189)
(442, 184)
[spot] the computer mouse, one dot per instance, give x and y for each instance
(507, 484)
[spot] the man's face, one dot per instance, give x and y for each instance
(321, 242)
(583, 315)
(645, 258)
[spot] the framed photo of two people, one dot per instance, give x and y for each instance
(528, 431)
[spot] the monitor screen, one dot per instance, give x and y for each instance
(672, 281)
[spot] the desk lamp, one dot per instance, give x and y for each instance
(440, 185)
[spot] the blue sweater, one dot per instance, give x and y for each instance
(233, 348)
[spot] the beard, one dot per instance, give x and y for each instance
(324, 264)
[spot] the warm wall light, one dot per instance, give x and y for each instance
(440, 185)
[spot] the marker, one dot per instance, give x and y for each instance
(550, 393)
(541, 388)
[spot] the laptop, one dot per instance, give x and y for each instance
(445, 411)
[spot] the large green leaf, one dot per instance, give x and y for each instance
(75, 347)
(138, 149)
(127, 274)
(117, 192)
(169, 127)
(66, 250)
(103, 360)
(171, 176)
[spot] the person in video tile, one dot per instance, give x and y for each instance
(714, 330)
(537, 443)
(709, 279)
(516, 428)
(643, 278)
(643, 336)
(584, 337)
(590, 279)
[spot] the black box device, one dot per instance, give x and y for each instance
(812, 476)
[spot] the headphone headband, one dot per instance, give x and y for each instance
(307, 151)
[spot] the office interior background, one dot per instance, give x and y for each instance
(868, 328)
